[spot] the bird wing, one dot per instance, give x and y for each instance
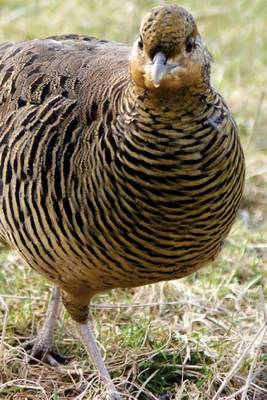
(31, 71)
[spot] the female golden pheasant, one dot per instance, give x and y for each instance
(119, 167)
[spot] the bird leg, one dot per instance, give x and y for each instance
(77, 307)
(42, 345)
(89, 341)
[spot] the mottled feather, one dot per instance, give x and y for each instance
(105, 180)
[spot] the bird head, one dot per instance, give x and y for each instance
(169, 53)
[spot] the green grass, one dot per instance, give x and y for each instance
(181, 339)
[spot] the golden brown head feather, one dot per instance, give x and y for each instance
(169, 53)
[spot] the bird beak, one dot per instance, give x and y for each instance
(158, 68)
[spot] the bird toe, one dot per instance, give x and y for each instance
(44, 352)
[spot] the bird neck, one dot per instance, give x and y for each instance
(165, 113)
(162, 99)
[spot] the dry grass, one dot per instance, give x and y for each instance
(200, 338)
(186, 338)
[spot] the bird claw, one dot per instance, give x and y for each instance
(44, 352)
(112, 392)
(114, 396)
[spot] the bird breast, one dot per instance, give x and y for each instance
(161, 207)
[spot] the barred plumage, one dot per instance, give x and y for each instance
(114, 176)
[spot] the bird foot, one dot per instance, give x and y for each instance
(112, 393)
(40, 350)
(114, 396)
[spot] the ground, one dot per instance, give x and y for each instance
(200, 338)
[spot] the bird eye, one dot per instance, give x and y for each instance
(140, 43)
(190, 44)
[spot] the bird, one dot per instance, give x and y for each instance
(120, 166)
